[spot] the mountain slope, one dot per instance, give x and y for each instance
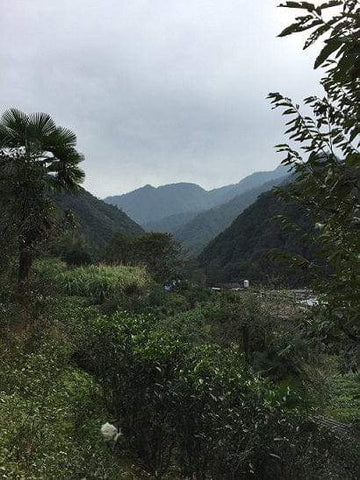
(152, 204)
(201, 229)
(98, 220)
(171, 223)
(222, 195)
(149, 205)
(242, 250)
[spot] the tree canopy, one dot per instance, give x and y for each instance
(327, 163)
(37, 158)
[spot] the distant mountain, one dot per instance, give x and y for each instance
(222, 195)
(98, 220)
(149, 205)
(203, 227)
(171, 223)
(242, 250)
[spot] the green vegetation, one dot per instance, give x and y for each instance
(202, 384)
(106, 375)
(102, 281)
(50, 411)
(159, 252)
(95, 221)
(327, 163)
(93, 281)
(247, 248)
(345, 398)
(37, 158)
(196, 410)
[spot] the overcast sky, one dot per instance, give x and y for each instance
(157, 91)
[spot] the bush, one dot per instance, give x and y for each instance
(157, 301)
(267, 327)
(50, 412)
(197, 410)
(77, 257)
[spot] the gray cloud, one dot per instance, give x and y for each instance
(157, 91)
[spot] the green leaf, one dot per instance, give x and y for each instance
(332, 3)
(290, 5)
(299, 26)
(330, 47)
(303, 5)
(353, 159)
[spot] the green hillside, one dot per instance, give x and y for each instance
(98, 220)
(201, 229)
(171, 223)
(242, 250)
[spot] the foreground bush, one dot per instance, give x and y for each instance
(50, 412)
(77, 257)
(197, 411)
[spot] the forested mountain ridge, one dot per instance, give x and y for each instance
(171, 223)
(242, 250)
(154, 203)
(203, 227)
(221, 195)
(98, 220)
(149, 205)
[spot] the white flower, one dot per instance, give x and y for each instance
(319, 227)
(110, 433)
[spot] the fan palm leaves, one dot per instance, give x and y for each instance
(37, 159)
(41, 140)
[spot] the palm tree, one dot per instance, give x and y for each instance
(37, 159)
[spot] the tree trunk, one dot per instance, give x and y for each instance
(245, 334)
(25, 262)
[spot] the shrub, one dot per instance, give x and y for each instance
(197, 409)
(77, 257)
(268, 328)
(159, 252)
(48, 410)
(157, 301)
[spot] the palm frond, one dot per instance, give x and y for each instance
(47, 146)
(41, 125)
(16, 121)
(61, 137)
(65, 167)
(7, 137)
(66, 155)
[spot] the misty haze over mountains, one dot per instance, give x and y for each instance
(192, 214)
(148, 204)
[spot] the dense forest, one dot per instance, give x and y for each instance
(248, 248)
(199, 231)
(117, 359)
(96, 220)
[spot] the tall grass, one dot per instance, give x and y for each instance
(96, 281)
(102, 281)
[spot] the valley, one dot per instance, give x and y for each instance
(176, 332)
